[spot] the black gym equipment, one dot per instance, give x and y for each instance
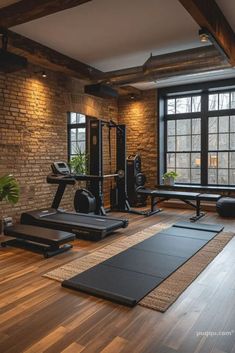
(119, 198)
(41, 240)
(130, 275)
(84, 201)
(88, 227)
(226, 207)
(157, 196)
(135, 180)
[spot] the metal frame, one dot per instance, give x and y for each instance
(202, 89)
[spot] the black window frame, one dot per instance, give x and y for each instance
(71, 126)
(203, 89)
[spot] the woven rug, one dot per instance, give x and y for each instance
(168, 291)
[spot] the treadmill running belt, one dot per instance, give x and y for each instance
(81, 220)
(130, 275)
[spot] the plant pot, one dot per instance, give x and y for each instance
(169, 181)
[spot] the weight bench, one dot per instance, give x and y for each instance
(157, 196)
(48, 242)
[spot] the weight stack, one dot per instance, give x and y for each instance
(135, 181)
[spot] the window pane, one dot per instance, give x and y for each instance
(81, 134)
(170, 160)
(223, 176)
(73, 118)
(73, 135)
(213, 125)
(196, 104)
(183, 127)
(171, 144)
(224, 124)
(232, 123)
(81, 118)
(212, 176)
(73, 147)
(223, 141)
(232, 141)
(196, 126)
(183, 105)
(170, 106)
(223, 159)
(171, 127)
(232, 97)
(212, 160)
(183, 143)
(224, 101)
(232, 176)
(213, 142)
(196, 160)
(232, 159)
(183, 175)
(82, 146)
(195, 176)
(213, 101)
(182, 160)
(196, 142)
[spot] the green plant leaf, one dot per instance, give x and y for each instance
(9, 189)
(78, 162)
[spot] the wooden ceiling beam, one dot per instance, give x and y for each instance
(29, 10)
(209, 16)
(43, 56)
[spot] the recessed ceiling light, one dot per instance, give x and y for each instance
(204, 35)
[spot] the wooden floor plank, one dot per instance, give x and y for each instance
(38, 315)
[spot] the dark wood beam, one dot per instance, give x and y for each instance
(28, 10)
(209, 16)
(196, 60)
(41, 55)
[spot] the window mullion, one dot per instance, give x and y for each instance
(204, 139)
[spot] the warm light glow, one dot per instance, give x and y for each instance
(204, 37)
(197, 162)
(213, 161)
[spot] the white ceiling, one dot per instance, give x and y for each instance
(228, 9)
(110, 34)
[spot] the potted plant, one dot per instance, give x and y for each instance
(9, 191)
(78, 162)
(169, 178)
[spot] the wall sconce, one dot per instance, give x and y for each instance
(204, 35)
(41, 73)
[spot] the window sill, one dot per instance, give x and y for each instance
(198, 187)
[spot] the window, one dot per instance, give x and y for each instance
(76, 134)
(183, 142)
(199, 130)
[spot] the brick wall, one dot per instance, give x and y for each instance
(140, 117)
(33, 131)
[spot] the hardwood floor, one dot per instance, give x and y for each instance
(38, 315)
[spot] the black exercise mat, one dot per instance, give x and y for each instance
(200, 226)
(121, 286)
(189, 233)
(129, 276)
(171, 245)
(146, 262)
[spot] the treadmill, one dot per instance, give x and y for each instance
(84, 226)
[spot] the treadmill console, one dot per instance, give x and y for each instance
(60, 168)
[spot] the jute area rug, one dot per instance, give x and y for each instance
(168, 291)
